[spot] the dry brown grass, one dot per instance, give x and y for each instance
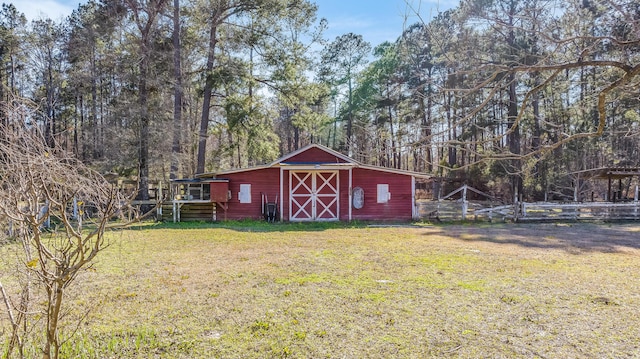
(255, 291)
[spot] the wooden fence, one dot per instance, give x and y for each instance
(456, 210)
(579, 211)
(449, 209)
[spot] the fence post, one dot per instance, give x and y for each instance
(159, 201)
(464, 202)
(74, 215)
(175, 211)
(516, 205)
(635, 202)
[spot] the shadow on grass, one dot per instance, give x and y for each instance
(575, 238)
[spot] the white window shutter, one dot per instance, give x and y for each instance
(244, 196)
(383, 193)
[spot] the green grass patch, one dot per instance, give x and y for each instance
(323, 290)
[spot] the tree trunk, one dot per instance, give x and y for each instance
(426, 123)
(350, 118)
(143, 155)
(94, 109)
(178, 91)
(146, 29)
(451, 149)
(513, 137)
(393, 161)
(49, 110)
(206, 103)
(52, 346)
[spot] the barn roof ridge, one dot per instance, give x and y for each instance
(310, 146)
(348, 161)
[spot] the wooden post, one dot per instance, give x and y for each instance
(515, 205)
(159, 201)
(176, 211)
(350, 187)
(414, 205)
(635, 202)
(281, 196)
(464, 202)
(620, 188)
(75, 208)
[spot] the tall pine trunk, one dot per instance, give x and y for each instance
(178, 91)
(206, 102)
(143, 154)
(513, 137)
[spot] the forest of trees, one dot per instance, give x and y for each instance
(510, 96)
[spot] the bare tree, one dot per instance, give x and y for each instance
(57, 210)
(539, 86)
(601, 36)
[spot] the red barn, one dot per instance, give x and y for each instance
(316, 183)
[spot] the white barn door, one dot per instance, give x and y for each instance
(314, 196)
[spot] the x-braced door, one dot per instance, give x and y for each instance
(314, 196)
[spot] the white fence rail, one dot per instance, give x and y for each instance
(455, 210)
(490, 209)
(579, 211)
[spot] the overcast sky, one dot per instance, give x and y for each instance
(376, 20)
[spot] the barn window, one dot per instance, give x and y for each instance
(383, 193)
(358, 198)
(244, 196)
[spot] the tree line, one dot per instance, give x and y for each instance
(511, 96)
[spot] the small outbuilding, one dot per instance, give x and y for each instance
(314, 183)
(619, 173)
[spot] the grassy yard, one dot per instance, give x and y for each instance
(250, 290)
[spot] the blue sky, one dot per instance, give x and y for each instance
(54, 9)
(375, 20)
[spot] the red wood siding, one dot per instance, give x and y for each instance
(265, 181)
(314, 155)
(399, 207)
(219, 192)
